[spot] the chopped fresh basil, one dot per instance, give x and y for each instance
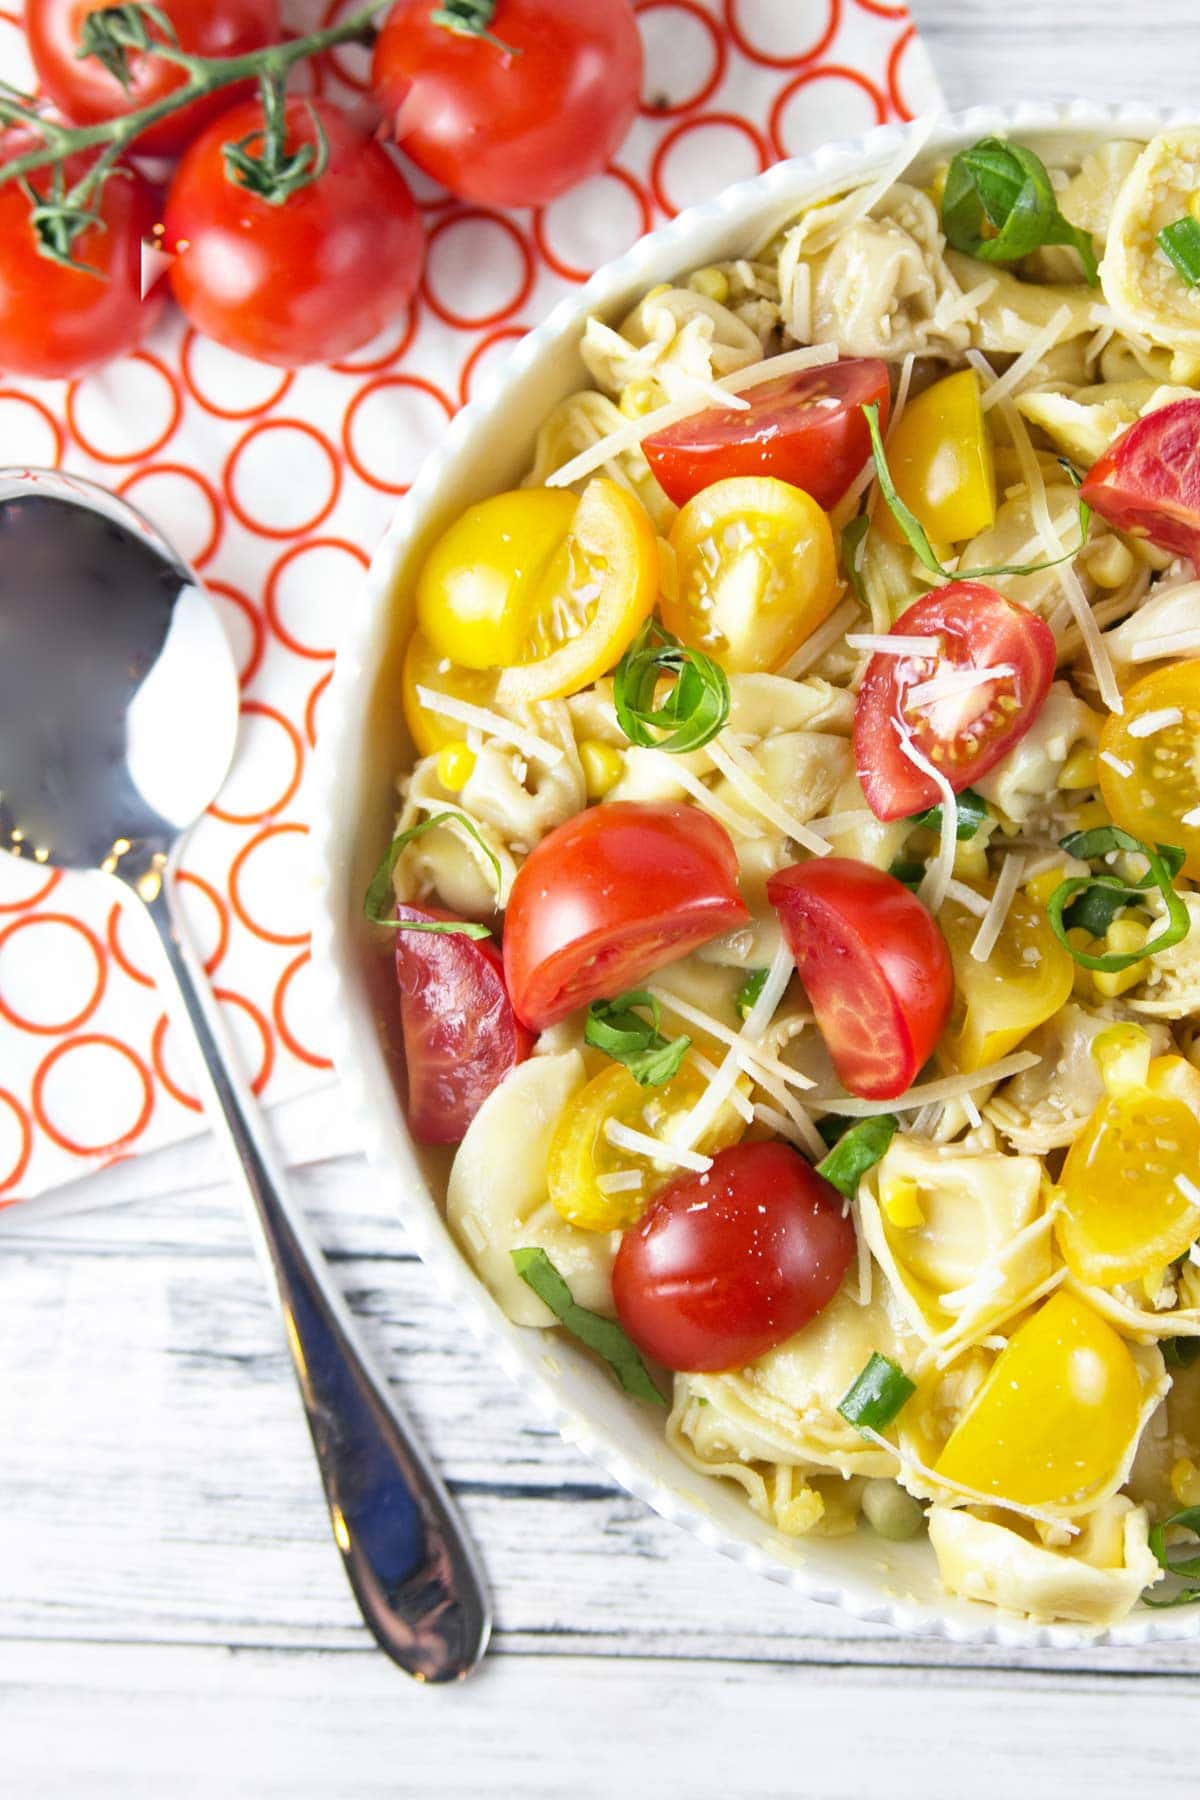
(604, 1336)
(694, 710)
(912, 874)
(972, 812)
(380, 897)
(854, 543)
(999, 205)
(876, 1395)
(1076, 480)
(1186, 1567)
(749, 991)
(1181, 243)
(614, 1027)
(857, 1150)
(1087, 899)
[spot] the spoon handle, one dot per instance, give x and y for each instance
(414, 1575)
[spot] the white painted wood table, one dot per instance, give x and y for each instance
(173, 1615)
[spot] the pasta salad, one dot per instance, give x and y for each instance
(795, 893)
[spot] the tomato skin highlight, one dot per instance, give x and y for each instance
(256, 277)
(87, 94)
(61, 322)
(725, 1266)
(790, 431)
(461, 1036)
(874, 965)
(610, 896)
(978, 628)
(504, 130)
(1148, 480)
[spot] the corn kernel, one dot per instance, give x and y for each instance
(638, 398)
(1185, 1482)
(1194, 205)
(654, 293)
(1122, 936)
(1040, 887)
(1081, 769)
(935, 187)
(602, 767)
(455, 766)
(1110, 564)
(1122, 1054)
(901, 1204)
(712, 283)
(970, 860)
(798, 1516)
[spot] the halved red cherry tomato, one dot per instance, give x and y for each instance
(461, 1036)
(873, 963)
(963, 734)
(724, 1266)
(89, 94)
(807, 429)
(1148, 481)
(609, 897)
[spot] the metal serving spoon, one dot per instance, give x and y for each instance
(118, 714)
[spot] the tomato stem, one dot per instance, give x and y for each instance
(471, 18)
(60, 216)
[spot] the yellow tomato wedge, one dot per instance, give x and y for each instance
(1057, 1414)
(424, 668)
(475, 591)
(1151, 784)
(590, 600)
(1023, 981)
(1124, 1214)
(602, 1186)
(940, 456)
(756, 572)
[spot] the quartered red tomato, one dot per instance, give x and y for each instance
(609, 897)
(962, 728)
(807, 429)
(724, 1266)
(1148, 481)
(874, 965)
(461, 1036)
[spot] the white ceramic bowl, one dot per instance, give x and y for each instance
(487, 448)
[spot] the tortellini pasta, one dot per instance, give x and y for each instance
(1024, 784)
(1094, 1579)
(1140, 284)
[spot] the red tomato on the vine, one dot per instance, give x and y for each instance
(517, 116)
(60, 321)
(307, 281)
(87, 93)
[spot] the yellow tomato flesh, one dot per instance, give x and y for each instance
(1024, 980)
(940, 456)
(1123, 1214)
(1151, 783)
(756, 572)
(1055, 1417)
(431, 731)
(581, 1156)
(475, 591)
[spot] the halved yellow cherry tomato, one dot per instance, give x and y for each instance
(587, 605)
(423, 668)
(1150, 784)
(940, 456)
(1123, 1215)
(756, 572)
(1057, 1414)
(475, 591)
(1023, 981)
(591, 1179)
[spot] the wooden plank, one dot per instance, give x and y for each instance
(1031, 50)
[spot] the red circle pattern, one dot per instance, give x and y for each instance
(245, 499)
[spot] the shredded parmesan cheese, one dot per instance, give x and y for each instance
(640, 1143)
(969, 1496)
(494, 724)
(1151, 722)
(992, 924)
(755, 1058)
(692, 1128)
(684, 383)
(738, 769)
(1172, 643)
(795, 1133)
(949, 1087)
(731, 819)
(952, 684)
(1030, 357)
(967, 897)
(822, 639)
(938, 873)
(741, 1105)
(891, 643)
(1117, 763)
(624, 1181)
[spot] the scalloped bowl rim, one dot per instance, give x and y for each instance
(817, 1569)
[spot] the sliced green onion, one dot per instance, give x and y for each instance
(696, 707)
(1007, 188)
(973, 810)
(1186, 1567)
(749, 991)
(1181, 242)
(914, 532)
(876, 1395)
(614, 1027)
(854, 543)
(857, 1150)
(1084, 897)
(604, 1336)
(380, 897)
